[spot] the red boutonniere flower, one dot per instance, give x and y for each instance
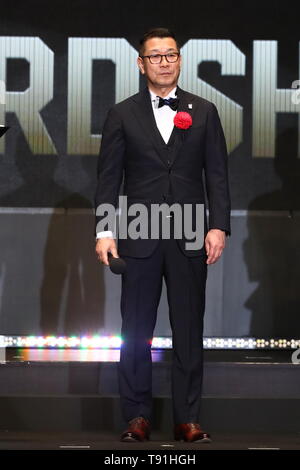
(183, 120)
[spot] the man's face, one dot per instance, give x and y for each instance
(164, 74)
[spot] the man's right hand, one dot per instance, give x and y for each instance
(105, 246)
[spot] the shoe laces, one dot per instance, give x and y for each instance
(195, 426)
(137, 421)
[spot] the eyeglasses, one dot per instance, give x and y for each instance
(157, 58)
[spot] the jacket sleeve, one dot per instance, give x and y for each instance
(216, 173)
(110, 165)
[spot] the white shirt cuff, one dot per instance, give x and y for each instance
(105, 234)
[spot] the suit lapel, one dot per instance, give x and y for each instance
(184, 100)
(145, 117)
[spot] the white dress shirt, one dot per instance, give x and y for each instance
(164, 117)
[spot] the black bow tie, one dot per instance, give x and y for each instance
(172, 102)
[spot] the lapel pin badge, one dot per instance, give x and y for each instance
(190, 106)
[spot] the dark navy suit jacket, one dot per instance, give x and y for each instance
(190, 168)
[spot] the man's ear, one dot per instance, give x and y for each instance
(140, 65)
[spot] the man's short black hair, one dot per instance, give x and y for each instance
(156, 33)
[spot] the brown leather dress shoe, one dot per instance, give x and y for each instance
(190, 432)
(137, 431)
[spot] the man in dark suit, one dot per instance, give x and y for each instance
(162, 163)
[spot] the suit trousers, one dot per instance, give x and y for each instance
(185, 279)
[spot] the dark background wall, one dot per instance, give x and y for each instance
(50, 282)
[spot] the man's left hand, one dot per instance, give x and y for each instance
(214, 245)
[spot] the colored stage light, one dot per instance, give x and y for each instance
(115, 342)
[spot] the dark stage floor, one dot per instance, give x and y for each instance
(68, 399)
(159, 442)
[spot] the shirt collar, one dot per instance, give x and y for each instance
(172, 94)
